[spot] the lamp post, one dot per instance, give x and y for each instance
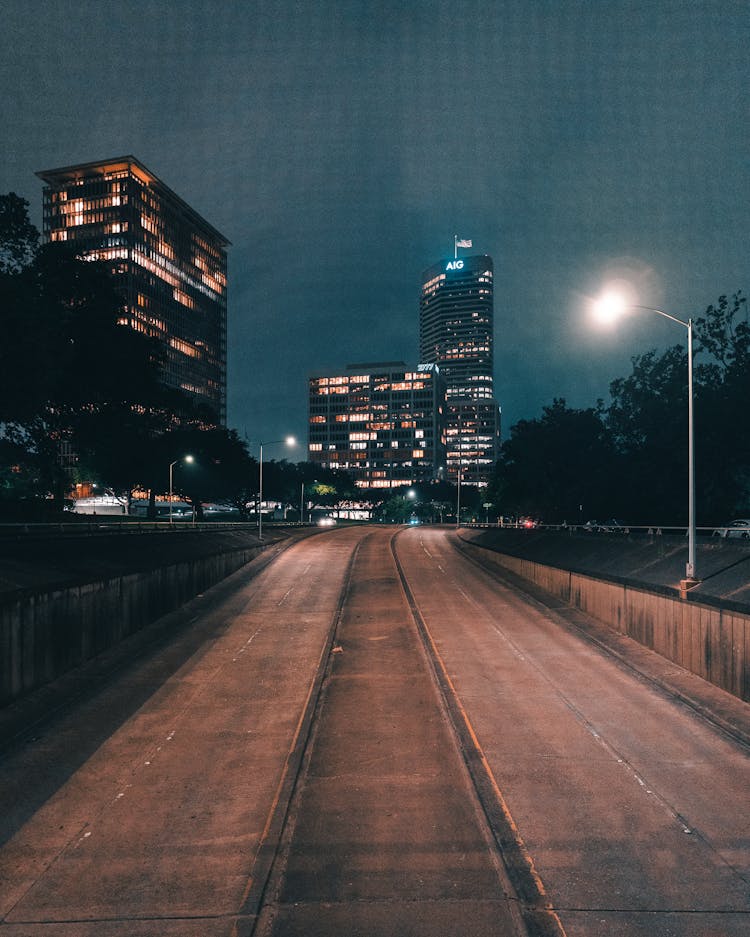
(608, 308)
(290, 441)
(185, 458)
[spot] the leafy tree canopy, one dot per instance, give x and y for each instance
(552, 467)
(18, 236)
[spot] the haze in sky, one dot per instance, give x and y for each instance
(341, 145)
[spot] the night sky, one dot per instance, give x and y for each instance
(341, 145)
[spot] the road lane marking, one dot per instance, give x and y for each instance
(247, 643)
(297, 581)
(618, 756)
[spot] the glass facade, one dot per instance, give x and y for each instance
(456, 332)
(472, 430)
(382, 423)
(172, 264)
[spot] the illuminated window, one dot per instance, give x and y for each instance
(183, 298)
(190, 350)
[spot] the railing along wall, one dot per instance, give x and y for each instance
(707, 640)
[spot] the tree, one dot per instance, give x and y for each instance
(325, 488)
(723, 381)
(222, 469)
(556, 467)
(69, 371)
(18, 236)
(648, 422)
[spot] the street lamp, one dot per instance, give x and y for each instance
(289, 441)
(185, 458)
(607, 309)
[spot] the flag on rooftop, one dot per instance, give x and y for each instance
(462, 242)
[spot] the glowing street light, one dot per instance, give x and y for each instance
(608, 308)
(186, 458)
(289, 441)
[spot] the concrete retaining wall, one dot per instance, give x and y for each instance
(707, 640)
(45, 633)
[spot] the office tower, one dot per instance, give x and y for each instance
(382, 423)
(456, 333)
(172, 264)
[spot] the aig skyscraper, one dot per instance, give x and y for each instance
(456, 333)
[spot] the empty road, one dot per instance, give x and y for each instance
(370, 735)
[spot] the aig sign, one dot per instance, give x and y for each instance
(455, 265)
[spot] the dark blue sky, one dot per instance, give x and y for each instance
(340, 145)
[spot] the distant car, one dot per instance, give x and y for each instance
(527, 523)
(738, 528)
(326, 521)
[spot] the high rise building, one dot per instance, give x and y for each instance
(456, 332)
(171, 261)
(382, 423)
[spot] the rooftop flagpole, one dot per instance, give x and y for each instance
(460, 242)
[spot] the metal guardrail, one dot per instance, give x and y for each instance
(129, 525)
(125, 526)
(644, 530)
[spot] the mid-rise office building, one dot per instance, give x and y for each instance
(456, 325)
(383, 423)
(171, 262)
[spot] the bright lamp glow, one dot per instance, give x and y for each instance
(610, 306)
(290, 441)
(189, 458)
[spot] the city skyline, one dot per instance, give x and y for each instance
(341, 146)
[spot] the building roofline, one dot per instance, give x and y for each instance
(475, 260)
(79, 170)
(378, 367)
